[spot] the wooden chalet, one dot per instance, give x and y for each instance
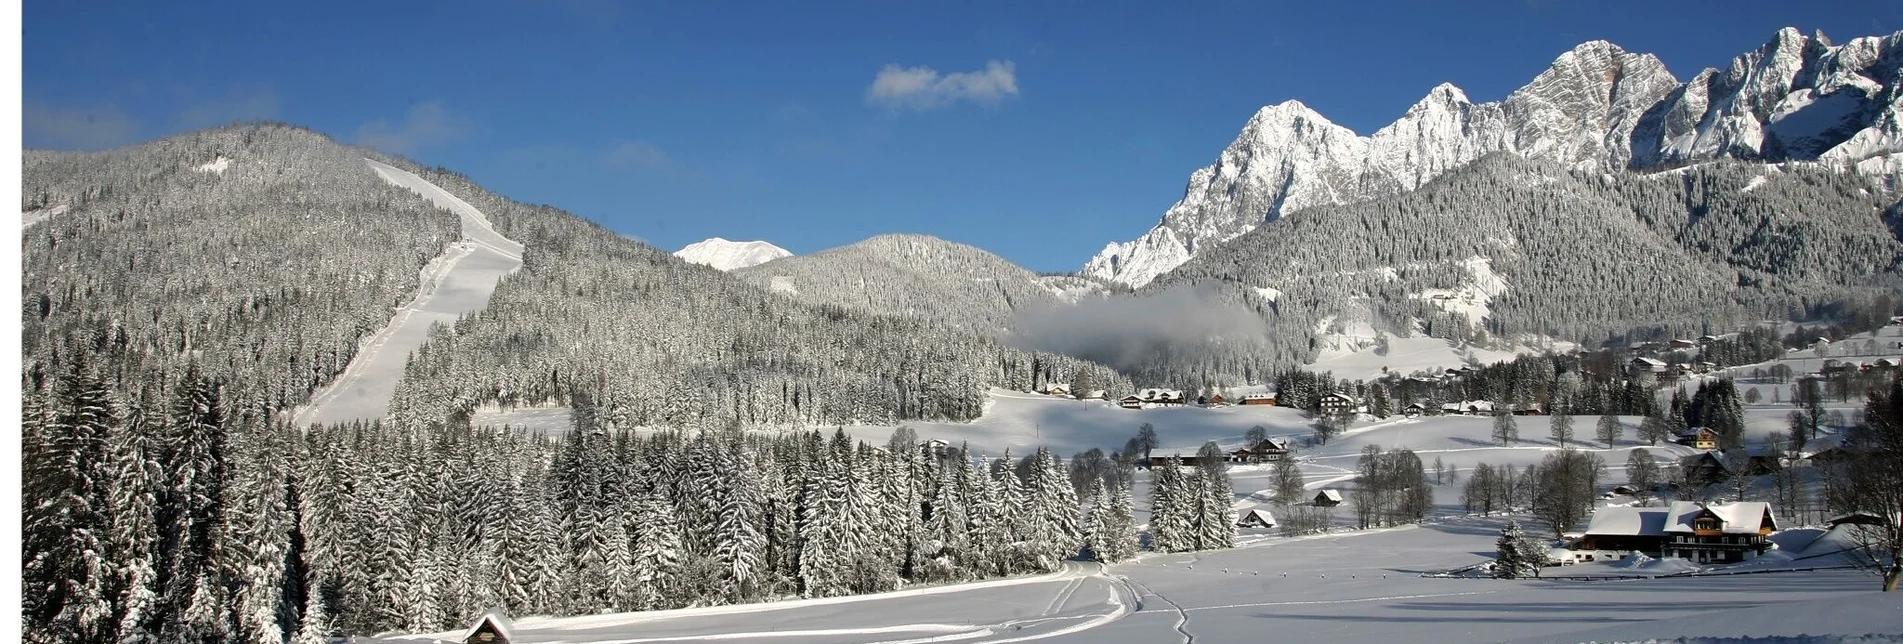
(1217, 400)
(1258, 399)
(1702, 533)
(1529, 410)
(1327, 498)
(1056, 389)
(1646, 365)
(1698, 438)
(1413, 410)
(493, 627)
(1708, 467)
(1131, 401)
(1256, 518)
(1678, 343)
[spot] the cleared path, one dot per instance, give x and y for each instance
(457, 282)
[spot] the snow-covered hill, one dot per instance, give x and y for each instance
(1597, 106)
(731, 255)
(916, 275)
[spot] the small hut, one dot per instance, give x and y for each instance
(1328, 498)
(1256, 518)
(492, 628)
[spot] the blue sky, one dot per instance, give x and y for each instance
(1036, 130)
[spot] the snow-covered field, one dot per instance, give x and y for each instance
(1348, 587)
(457, 282)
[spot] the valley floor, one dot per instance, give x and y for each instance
(1356, 586)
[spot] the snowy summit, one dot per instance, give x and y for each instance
(731, 255)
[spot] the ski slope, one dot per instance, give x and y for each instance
(455, 283)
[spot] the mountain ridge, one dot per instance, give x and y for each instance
(1596, 106)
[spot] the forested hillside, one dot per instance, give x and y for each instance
(636, 336)
(1511, 246)
(264, 270)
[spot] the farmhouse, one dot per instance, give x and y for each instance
(1413, 410)
(1256, 518)
(1267, 451)
(1130, 402)
(1055, 389)
(1328, 498)
(1685, 530)
(1715, 466)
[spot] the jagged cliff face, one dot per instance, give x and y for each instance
(1795, 98)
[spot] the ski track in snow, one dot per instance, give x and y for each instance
(455, 283)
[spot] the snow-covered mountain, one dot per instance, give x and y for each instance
(922, 276)
(730, 255)
(1597, 106)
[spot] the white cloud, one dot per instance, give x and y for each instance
(923, 88)
(77, 128)
(640, 155)
(428, 124)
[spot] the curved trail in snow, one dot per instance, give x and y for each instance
(455, 283)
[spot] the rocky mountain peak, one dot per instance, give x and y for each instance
(1596, 106)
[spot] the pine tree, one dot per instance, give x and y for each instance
(1119, 533)
(138, 481)
(1518, 557)
(66, 577)
(1215, 500)
(1054, 534)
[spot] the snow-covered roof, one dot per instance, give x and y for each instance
(1627, 521)
(1745, 517)
(1332, 495)
(1153, 393)
(1648, 362)
(1259, 396)
(494, 616)
(1738, 518)
(1256, 516)
(1054, 386)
